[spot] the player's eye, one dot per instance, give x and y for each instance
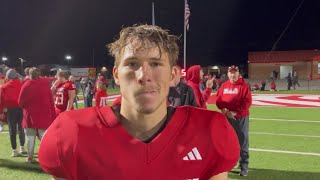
(155, 64)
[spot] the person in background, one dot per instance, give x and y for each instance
(38, 109)
(101, 95)
(88, 95)
(256, 87)
(76, 98)
(194, 76)
(3, 110)
(143, 138)
(9, 99)
(234, 100)
(64, 92)
(180, 94)
(273, 86)
(263, 85)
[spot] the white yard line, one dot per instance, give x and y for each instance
(289, 135)
(285, 152)
(284, 120)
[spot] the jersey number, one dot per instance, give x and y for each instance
(59, 98)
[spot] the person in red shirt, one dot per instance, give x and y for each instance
(273, 86)
(142, 139)
(38, 108)
(64, 91)
(194, 76)
(101, 95)
(234, 100)
(9, 93)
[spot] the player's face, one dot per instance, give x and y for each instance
(144, 78)
(233, 76)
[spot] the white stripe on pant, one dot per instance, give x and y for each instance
(31, 137)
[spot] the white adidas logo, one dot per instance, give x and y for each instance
(193, 155)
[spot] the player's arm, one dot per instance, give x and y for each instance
(53, 87)
(221, 176)
(72, 95)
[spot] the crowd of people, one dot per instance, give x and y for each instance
(30, 104)
(159, 117)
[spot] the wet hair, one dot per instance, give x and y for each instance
(149, 36)
(34, 73)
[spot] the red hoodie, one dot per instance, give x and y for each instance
(9, 93)
(193, 78)
(101, 98)
(37, 103)
(235, 97)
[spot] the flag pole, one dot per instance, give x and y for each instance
(185, 38)
(153, 18)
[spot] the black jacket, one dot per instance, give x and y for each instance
(181, 95)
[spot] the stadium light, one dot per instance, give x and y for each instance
(68, 57)
(4, 58)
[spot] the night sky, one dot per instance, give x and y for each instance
(221, 31)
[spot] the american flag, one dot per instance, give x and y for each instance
(187, 15)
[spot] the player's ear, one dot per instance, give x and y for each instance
(174, 73)
(115, 75)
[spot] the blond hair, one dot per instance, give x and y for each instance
(34, 73)
(147, 35)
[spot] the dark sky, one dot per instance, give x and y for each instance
(221, 31)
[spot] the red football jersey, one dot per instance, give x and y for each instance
(62, 96)
(91, 143)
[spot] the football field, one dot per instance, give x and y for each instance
(284, 145)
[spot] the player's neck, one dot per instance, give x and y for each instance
(143, 126)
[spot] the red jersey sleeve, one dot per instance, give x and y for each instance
(226, 145)
(57, 147)
(206, 94)
(71, 86)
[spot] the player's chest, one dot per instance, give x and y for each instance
(181, 158)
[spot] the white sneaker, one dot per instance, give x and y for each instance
(15, 153)
(22, 150)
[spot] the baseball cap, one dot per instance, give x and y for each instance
(11, 74)
(233, 67)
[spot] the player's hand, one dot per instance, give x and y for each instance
(209, 83)
(233, 113)
(230, 116)
(224, 111)
(2, 116)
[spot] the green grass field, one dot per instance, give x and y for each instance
(271, 128)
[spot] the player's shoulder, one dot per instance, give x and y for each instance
(204, 114)
(86, 117)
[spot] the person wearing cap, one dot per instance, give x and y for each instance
(9, 94)
(194, 76)
(234, 100)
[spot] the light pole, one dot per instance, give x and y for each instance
(68, 58)
(22, 61)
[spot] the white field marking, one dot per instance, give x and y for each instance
(284, 152)
(289, 135)
(259, 103)
(284, 120)
(275, 99)
(310, 97)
